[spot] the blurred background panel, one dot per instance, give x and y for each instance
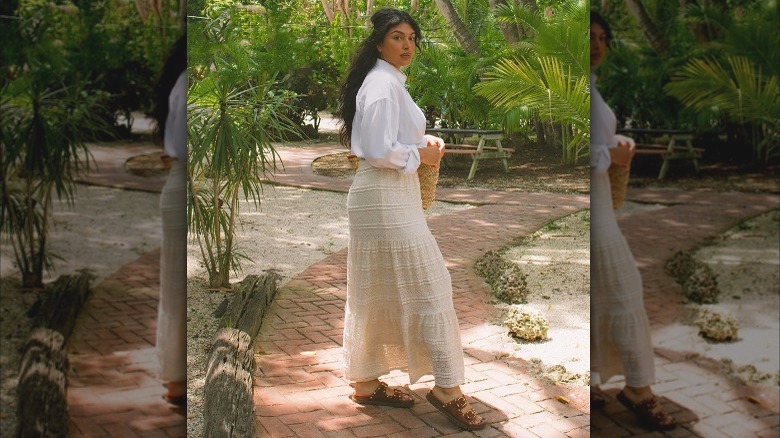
(81, 177)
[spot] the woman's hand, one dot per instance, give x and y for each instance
(431, 154)
(434, 141)
(622, 154)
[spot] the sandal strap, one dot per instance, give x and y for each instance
(652, 409)
(381, 393)
(460, 403)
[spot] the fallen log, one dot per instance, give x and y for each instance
(42, 402)
(228, 408)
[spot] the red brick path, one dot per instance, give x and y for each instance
(300, 388)
(713, 404)
(113, 390)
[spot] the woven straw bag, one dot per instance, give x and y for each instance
(618, 181)
(428, 175)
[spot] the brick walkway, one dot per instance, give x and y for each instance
(113, 388)
(300, 388)
(713, 404)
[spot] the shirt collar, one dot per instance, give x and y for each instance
(386, 66)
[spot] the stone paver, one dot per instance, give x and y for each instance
(695, 390)
(113, 389)
(300, 388)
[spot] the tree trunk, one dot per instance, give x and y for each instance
(329, 10)
(228, 403)
(42, 405)
(509, 30)
(59, 308)
(415, 6)
(462, 34)
(228, 394)
(42, 401)
(648, 28)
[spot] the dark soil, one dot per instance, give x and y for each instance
(532, 168)
(718, 177)
(535, 168)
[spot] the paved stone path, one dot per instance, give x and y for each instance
(300, 388)
(113, 390)
(696, 391)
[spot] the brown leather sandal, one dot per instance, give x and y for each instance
(453, 410)
(649, 412)
(398, 399)
(597, 400)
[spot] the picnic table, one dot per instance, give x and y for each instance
(678, 147)
(480, 151)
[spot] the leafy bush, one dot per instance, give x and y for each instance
(717, 326)
(528, 325)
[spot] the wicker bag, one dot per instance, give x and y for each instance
(428, 175)
(618, 181)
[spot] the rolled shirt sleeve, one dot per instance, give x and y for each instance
(175, 135)
(378, 134)
(602, 130)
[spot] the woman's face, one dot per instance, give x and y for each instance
(598, 44)
(398, 46)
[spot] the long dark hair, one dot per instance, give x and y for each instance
(364, 60)
(175, 63)
(595, 17)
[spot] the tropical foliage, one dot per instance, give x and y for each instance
(70, 71)
(234, 113)
(714, 70)
(549, 73)
(746, 87)
(260, 73)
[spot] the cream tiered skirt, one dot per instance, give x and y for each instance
(399, 310)
(620, 332)
(172, 310)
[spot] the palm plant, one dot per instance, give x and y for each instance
(549, 73)
(43, 151)
(746, 87)
(48, 112)
(234, 114)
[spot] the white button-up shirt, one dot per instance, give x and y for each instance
(388, 127)
(602, 129)
(175, 135)
(603, 125)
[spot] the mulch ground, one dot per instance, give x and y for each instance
(532, 168)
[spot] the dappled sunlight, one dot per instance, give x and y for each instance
(103, 229)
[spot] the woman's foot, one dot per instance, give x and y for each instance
(597, 399)
(647, 406)
(452, 403)
(375, 392)
(176, 393)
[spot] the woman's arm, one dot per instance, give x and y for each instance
(379, 138)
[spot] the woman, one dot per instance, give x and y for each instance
(399, 310)
(620, 331)
(171, 115)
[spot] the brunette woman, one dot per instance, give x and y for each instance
(399, 310)
(620, 331)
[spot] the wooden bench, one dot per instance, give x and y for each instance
(477, 152)
(669, 152)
